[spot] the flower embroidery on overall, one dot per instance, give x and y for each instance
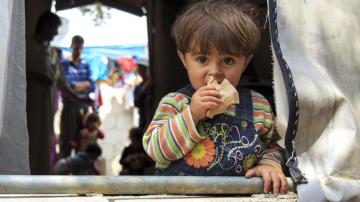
(202, 154)
(229, 153)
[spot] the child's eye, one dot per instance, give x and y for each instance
(228, 61)
(202, 59)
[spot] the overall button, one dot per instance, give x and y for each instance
(244, 123)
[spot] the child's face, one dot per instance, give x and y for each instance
(221, 66)
(92, 125)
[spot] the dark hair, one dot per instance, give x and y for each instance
(77, 39)
(93, 149)
(142, 67)
(91, 118)
(48, 18)
(229, 25)
(136, 134)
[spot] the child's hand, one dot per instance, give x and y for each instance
(204, 99)
(269, 174)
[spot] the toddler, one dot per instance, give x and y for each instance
(216, 40)
(91, 132)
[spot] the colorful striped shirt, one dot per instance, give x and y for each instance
(172, 133)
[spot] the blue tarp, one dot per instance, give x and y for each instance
(113, 52)
(96, 57)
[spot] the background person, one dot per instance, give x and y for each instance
(134, 160)
(39, 91)
(142, 93)
(77, 74)
(91, 132)
(83, 163)
(43, 75)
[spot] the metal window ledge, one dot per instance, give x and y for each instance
(131, 185)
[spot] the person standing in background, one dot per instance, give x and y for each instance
(142, 94)
(43, 75)
(40, 81)
(77, 73)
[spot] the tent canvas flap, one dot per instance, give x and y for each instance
(321, 45)
(13, 130)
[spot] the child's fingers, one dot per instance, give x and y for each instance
(209, 91)
(275, 179)
(283, 188)
(211, 99)
(276, 183)
(251, 173)
(267, 181)
(209, 105)
(212, 93)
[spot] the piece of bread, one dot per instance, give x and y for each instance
(228, 93)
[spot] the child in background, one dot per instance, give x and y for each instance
(134, 160)
(83, 163)
(91, 132)
(216, 39)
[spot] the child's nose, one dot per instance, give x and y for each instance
(216, 72)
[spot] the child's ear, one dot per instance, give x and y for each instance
(182, 57)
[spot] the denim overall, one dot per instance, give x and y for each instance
(237, 146)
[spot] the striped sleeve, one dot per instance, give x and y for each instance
(172, 132)
(265, 126)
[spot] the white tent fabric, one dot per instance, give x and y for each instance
(320, 42)
(13, 130)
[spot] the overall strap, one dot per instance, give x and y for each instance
(244, 110)
(188, 90)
